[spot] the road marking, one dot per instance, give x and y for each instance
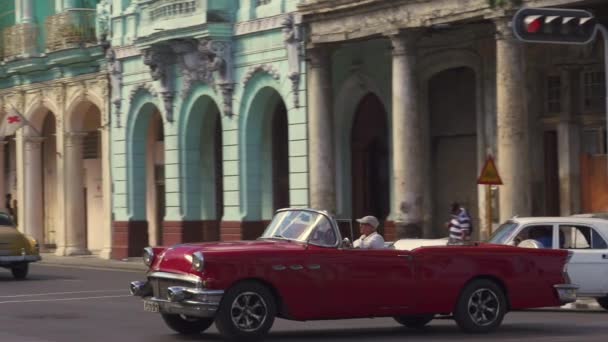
(59, 300)
(60, 293)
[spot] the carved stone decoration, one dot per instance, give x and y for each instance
(148, 87)
(104, 11)
(208, 61)
(267, 68)
(159, 60)
(292, 37)
(115, 72)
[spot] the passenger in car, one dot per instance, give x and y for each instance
(370, 239)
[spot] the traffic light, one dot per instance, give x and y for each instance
(554, 25)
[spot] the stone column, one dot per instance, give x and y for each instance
(27, 11)
(512, 124)
(568, 140)
(75, 215)
(2, 177)
(32, 209)
(407, 139)
(321, 133)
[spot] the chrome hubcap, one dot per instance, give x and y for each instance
(484, 307)
(248, 311)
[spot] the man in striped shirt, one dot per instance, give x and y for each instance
(459, 226)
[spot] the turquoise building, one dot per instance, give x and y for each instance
(209, 129)
(52, 73)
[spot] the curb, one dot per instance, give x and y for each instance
(90, 261)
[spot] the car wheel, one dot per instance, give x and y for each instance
(414, 321)
(246, 312)
(187, 325)
(481, 307)
(20, 271)
(603, 302)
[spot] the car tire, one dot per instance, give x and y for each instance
(414, 321)
(20, 271)
(603, 302)
(246, 312)
(481, 307)
(187, 325)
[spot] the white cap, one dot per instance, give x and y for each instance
(371, 220)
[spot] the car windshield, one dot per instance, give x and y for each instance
(294, 225)
(5, 220)
(503, 233)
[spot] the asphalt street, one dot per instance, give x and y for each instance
(63, 304)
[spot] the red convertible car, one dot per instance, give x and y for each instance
(300, 269)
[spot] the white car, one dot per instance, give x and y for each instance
(585, 235)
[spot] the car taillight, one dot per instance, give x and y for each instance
(567, 279)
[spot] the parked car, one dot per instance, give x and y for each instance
(16, 249)
(299, 269)
(584, 235)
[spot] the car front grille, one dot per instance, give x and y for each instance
(160, 286)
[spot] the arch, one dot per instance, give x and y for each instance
(140, 114)
(352, 91)
(259, 101)
(80, 103)
(36, 114)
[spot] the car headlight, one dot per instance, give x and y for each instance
(198, 261)
(148, 256)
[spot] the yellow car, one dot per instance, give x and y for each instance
(16, 249)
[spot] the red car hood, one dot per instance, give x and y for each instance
(178, 258)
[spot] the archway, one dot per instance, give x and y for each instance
(84, 185)
(453, 121)
(267, 160)
(204, 180)
(370, 160)
(147, 178)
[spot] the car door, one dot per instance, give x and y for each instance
(588, 267)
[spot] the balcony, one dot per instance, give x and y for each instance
(19, 40)
(73, 28)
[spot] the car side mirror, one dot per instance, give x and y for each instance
(346, 243)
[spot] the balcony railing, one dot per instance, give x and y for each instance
(18, 40)
(70, 29)
(166, 9)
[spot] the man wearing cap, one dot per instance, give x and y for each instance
(370, 239)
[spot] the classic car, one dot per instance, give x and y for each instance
(16, 249)
(300, 269)
(584, 235)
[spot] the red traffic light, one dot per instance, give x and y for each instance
(533, 23)
(554, 25)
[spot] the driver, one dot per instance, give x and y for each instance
(370, 239)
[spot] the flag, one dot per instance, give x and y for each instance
(13, 120)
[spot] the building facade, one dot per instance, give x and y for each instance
(51, 71)
(420, 92)
(209, 128)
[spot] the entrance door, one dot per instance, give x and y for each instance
(370, 160)
(594, 179)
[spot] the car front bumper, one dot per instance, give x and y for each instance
(566, 293)
(192, 300)
(18, 259)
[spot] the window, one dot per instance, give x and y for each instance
(594, 91)
(92, 145)
(554, 89)
(262, 2)
(594, 140)
(540, 233)
(580, 237)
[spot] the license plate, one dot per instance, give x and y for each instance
(150, 306)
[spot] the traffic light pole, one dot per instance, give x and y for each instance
(604, 31)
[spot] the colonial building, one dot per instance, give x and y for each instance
(209, 127)
(50, 72)
(407, 98)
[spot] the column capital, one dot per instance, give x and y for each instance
(319, 55)
(504, 29)
(404, 42)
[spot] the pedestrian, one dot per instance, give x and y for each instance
(370, 239)
(8, 204)
(459, 226)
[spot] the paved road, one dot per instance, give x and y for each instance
(62, 304)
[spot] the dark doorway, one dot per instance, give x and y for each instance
(280, 158)
(219, 171)
(370, 160)
(551, 174)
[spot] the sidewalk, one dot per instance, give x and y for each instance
(92, 261)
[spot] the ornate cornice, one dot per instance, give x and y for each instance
(259, 25)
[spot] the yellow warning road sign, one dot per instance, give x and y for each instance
(489, 173)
